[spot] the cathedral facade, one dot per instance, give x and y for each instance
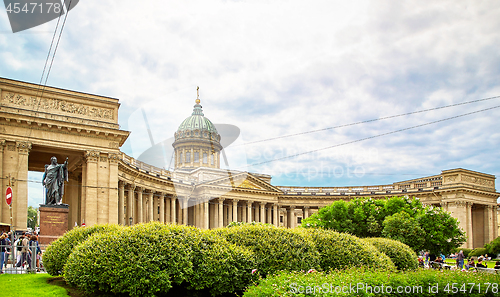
(107, 186)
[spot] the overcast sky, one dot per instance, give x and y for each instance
(273, 68)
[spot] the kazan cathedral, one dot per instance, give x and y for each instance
(107, 186)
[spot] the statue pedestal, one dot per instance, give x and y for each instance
(53, 222)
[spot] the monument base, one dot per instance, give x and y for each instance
(53, 222)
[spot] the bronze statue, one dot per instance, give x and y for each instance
(53, 180)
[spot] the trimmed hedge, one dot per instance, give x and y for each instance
(478, 252)
(274, 248)
(220, 266)
(58, 251)
(359, 282)
(148, 259)
(140, 260)
(401, 255)
(342, 250)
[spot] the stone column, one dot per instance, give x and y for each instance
(20, 199)
(121, 202)
(150, 206)
(285, 217)
(470, 235)
(173, 208)
(185, 214)
(139, 205)
(235, 211)
(130, 204)
(293, 220)
(275, 215)
(269, 215)
(306, 212)
(113, 160)
(90, 187)
(167, 209)
(162, 207)
(495, 222)
(4, 208)
(262, 216)
(249, 212)
(244, 217)
(206, 215)
(488, 234)
(221, 212)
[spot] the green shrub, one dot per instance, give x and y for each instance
(59, 250)
(342, 250)
(401, 255)
(140, 260)
(220, 266)
(478, 252)
(234, 224)
(493, 247)
(359, 282)
(274, 248)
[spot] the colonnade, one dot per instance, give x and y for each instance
(138, 204)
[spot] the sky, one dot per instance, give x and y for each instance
(275, 68)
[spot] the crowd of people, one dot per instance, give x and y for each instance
(23, 250)
(429, 260)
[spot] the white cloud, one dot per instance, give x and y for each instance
(278, 67)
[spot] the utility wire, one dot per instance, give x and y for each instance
(371, 137)
(369, 121)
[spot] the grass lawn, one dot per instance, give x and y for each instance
(29, 285)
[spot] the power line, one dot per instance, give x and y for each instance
(371, 137)
(368, 121)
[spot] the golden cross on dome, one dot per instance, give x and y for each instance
(197, 95)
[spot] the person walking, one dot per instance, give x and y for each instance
(3, 246)
(460, 260)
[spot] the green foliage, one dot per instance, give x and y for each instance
(274, 248)
(441, 230)
(404, 228)
(234, 224)
(32, 217)
(401, 255)
(428, 227)
(59, 250)
(341, 251)
(493, 247)
(478, 252)
(220, 266)
(359, 282)
(141, 260)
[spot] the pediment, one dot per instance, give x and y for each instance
(242, 181)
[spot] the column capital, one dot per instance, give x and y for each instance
(23, 147)
(91, 156)
(3, 142)
(307, 207)
(130, 187)
(236, 201)
(114, 158)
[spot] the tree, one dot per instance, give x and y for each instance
(32, 217)
(400, 218)
(493, 247)
(404, 228)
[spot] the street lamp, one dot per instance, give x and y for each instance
(130, 221)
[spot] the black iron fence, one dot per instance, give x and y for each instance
(19, 259)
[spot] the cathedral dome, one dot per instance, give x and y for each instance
(197, 127)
